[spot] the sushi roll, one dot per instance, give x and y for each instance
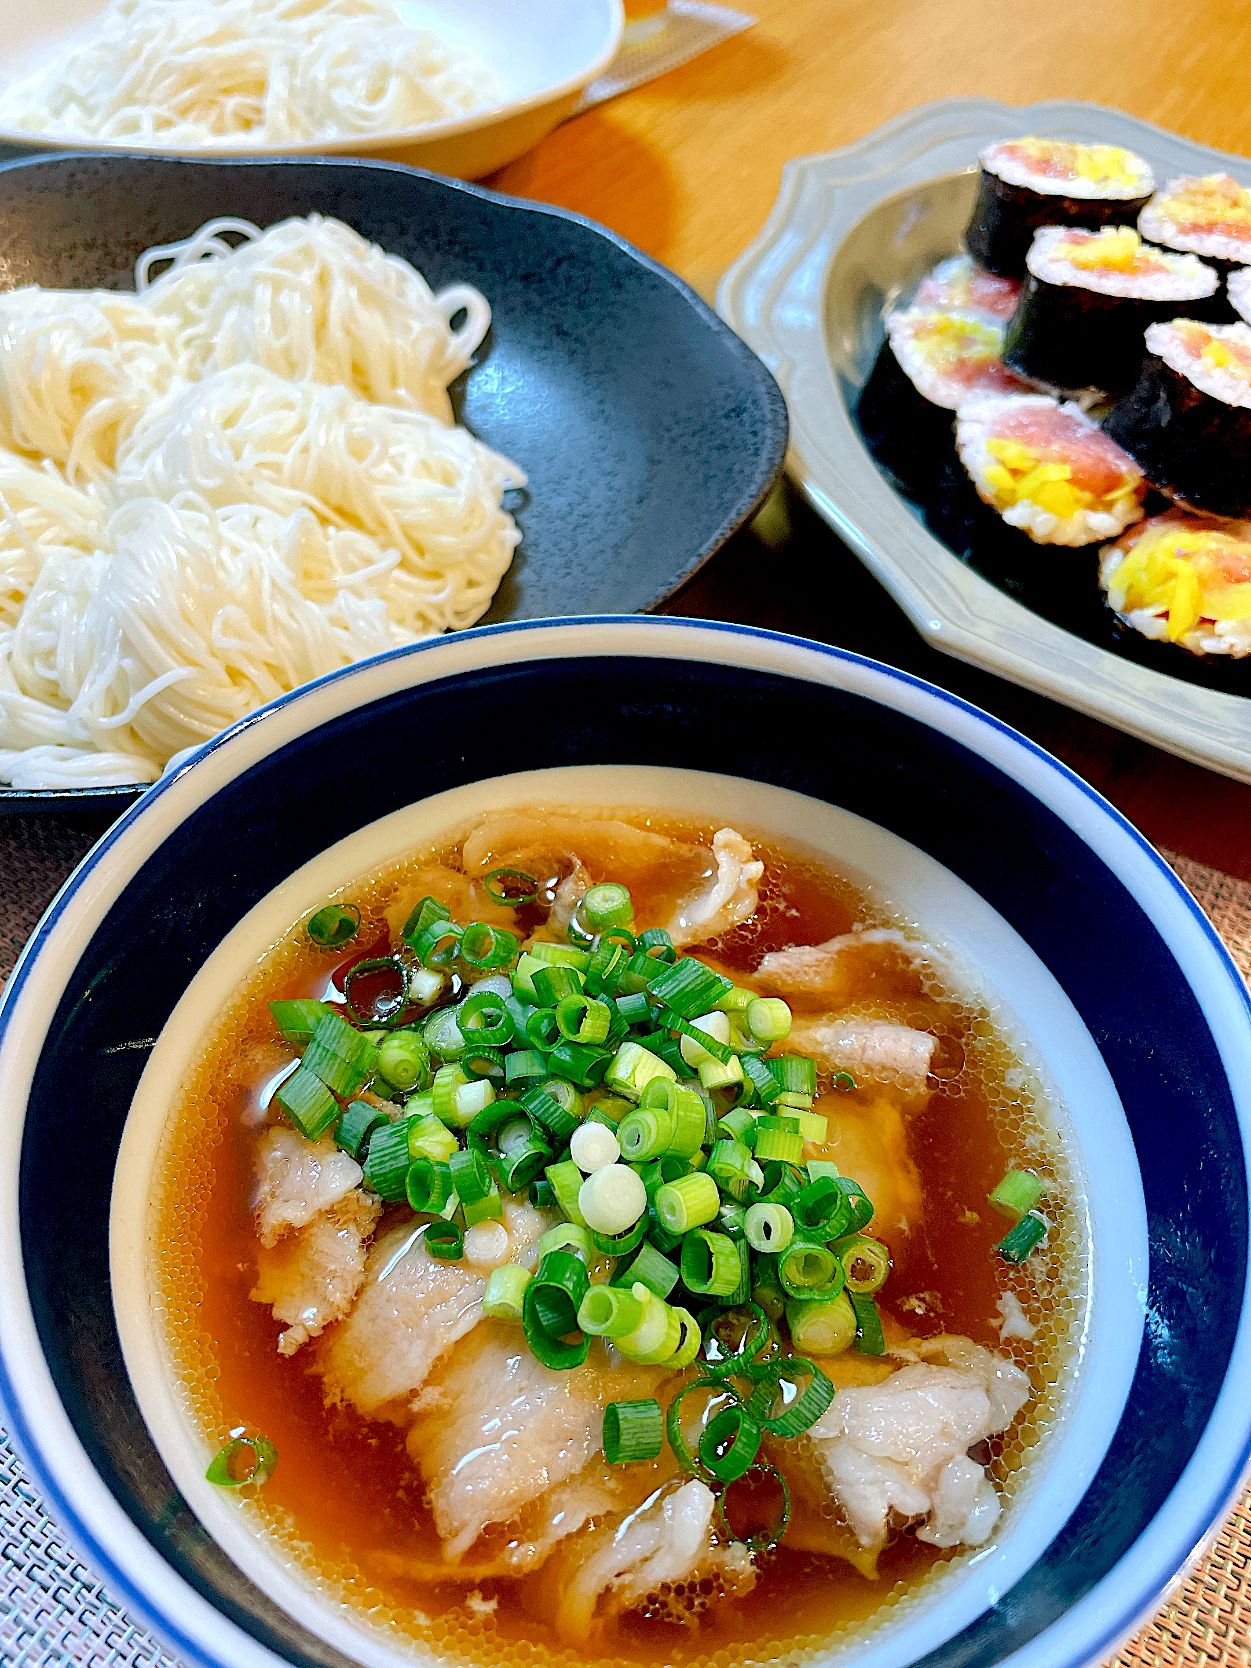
(1207, 215)
(1087, 300)
(1183, 579)
(933, 359)
(1027, 183)
(960, 282)
(1238, 286)
(1048, 469)
(1188, 420)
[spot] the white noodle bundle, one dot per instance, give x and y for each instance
(191, 73)
(184, 620)
(192, 533)
(76, 368)
(428, 491)
(311, 299)
(40, 514)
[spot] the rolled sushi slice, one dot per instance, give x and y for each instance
(1238, 285)
(1087, 300)
(1031, 182)
(1183, 579)
(1207, 215)
(1048, 469)
(961, 283)
(933, 359)
(1187, 422)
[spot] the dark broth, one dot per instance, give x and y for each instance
(346, 1502)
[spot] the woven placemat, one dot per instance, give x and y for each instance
(54, 1610)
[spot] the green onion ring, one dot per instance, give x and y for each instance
(673, 1426)
(334, 926)
(753, 1342)
(844, 1081)
(550, 1309)
(264, 1456)
(377, 964)
(738, 1426)
(633, 1431)
(807, 1407)
(526, 894)
(766, 1541)
(445, 1241)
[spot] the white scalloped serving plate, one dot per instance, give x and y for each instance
(850, 231)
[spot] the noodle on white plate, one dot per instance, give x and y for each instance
(193, 73)
(240, 478)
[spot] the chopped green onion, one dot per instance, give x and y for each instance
(769, 1227)
(688, 1202)
(796, 1074)
(620, 1245)
(808, 1269)
(485, 946)
(542, 1030)
(547, 1107)
(523, 1066)
(729, 1162)
(607, 905)
(553, 983)
(559, 955)
(822, 1208)
(438, 945)
(297, 1020)
(505, 1292)
(470, 1176)
(710, 1265)
(404, 1060)
(657, 1336)
(582, 1019)
(510, 887)
(866, 1263)
(766, 1539)
(813, 1127)
(688, 987)
(334, 926)
(861, 1205)
(673, 1425)
(358, 1123)
(1017, 1193)
(657, 943)
(769, 1295)
(729, 1443)
(757, 1337)
(482, 1210)
(612, 1199)
(522, 1166)
(769, 1019)
(445, 1242)
(714, 1074)
(731, 1218)
(761, 1079)
(685, 1107)
(611, 1311)
(869, 1336)
(689, 1345)
(307, 1102)
(447, 1080)
(428, 1185)
(633, 1431)
(427, 914)
(388, 1162)
(645, 1133)
(568, 1236)
(425, 986)
(735, 1125)
(483, 1019)
(428, 1137)
(443, 1035)
(783, 1146)
(566, 1182)
(608, 960)
(1018, 1242)
(633, 1068)
(636, 1009)
(711, 1027)
(798, 1413)
(578, 1063)
(650, 1269)
(258, 1454)
(550, 1311)
(343, 1057)
(592, 1146)
(822, 1328)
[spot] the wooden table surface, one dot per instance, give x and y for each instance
(688, 166)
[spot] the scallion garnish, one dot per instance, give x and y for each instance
(357, 1124)
(505, 1292)
(632, 1431)
(550, 1310)
(307, 1102)
(869, 1337)
(243, 1460)
(335, 925)
(511, 887)
(729, 1443)
(1017, 1194)
(445, 1241)
(1017, 1244)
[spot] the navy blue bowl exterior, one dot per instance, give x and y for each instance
(884, 766)
(648, 430)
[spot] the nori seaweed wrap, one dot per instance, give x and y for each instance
(1027, 183)
(1187, 422)
(1088, 299)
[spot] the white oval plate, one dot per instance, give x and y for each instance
(543, 52)
(808, 297)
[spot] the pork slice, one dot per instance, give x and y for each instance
(844, 968)
(873, 1051)
(411, 1310)
(661, 1551)
(900, 1448)
(728, 897)
(310, 1277)
(498, 1431)
(296, 1179)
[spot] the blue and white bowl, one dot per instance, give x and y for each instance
(1102, 960)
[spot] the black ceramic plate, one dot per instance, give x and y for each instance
(649, 432)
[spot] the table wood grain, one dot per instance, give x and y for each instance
(688, 167)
